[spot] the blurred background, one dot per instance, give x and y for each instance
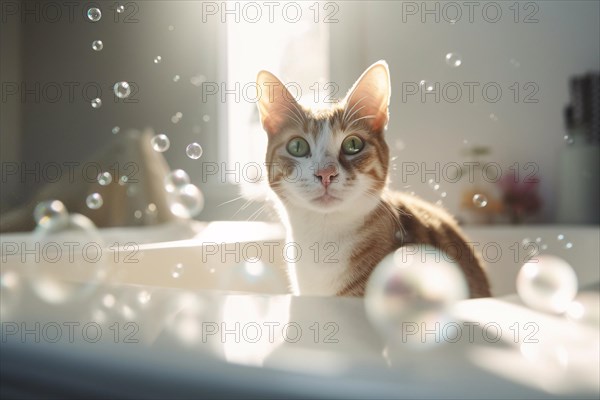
(494, 110)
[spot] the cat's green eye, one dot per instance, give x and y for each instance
(352, 145)
(298, 147)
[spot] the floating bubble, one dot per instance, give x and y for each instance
(120, 9)
(123, 180)
(436, 186)
(194, 151)
(480, 200)
(97, 45)
(171, 28)
(137, 214)
(176, 78)
(160, 143)
(453, 60)
(494, 117)
(206, 118)
(568, 245)
(51, 212)
(426, 85)
(122, 90)
(177, 271)
(94, 201)
(115, 130)
(144, 297)
(176, 118)
(197, 80)
(96, 103)
(569, 139)
(157, 59)
(560, 237)
(104, 178)
(416, 286)
(57, 278)
(176, 180)
(443, 194)
(94, 14)
(547, 283)
(186, 202)
(585, 308)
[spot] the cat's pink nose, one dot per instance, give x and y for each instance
(326, 175)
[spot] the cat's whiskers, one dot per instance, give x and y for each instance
(365, 117)
(346, 110)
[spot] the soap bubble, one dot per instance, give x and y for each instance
(120, 9)
(480, 200)
(94, 201)
(177, 270)
(104, 178)
(97, 45)
(70, 264)
(453, 60)
(115, 130)
(176, 180)
(426, 85)
(568, 139)
(585, 308)
(186, 202)
(157, 59)
(94, 14)
(176, 78)
(96, 103)
(122, 90)
(547, 283)
(51, 212)
(160, 143)
(568, 245)
(194, 151)
(413, 288)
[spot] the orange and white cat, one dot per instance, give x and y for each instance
(329, 169)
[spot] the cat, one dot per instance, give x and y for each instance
(328, 169)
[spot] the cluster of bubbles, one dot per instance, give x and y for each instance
(157, 59)
(415, 284)
(453, 59)
(55, 226)
(436, 188)
(176, 117)
(96, 103)
(184, 198)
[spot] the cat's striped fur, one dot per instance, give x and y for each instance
(332, 200)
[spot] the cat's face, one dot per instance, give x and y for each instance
(328, 160)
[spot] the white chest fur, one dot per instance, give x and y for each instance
(320, 247)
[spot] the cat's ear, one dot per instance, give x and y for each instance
(276, 105)
(369, 98)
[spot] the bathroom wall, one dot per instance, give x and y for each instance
(564, 42)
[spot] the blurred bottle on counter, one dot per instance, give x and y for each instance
(579, 170)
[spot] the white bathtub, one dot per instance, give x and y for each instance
(181, 311)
